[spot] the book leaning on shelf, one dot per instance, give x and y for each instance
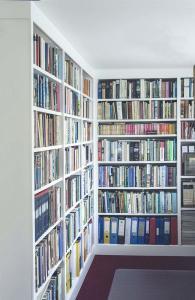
(138, 150)
(54, 289)
(72, 73)
(72, 190)
(138, 109)
(88, 207)
(137, 176)
(44, 261)
(73, 226)
(138, 230)
(140, 202)
(87, 180)
(47, 209)
(137, 129)
(72, 102)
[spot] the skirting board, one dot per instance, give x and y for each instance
(79, 281)
(145, 250)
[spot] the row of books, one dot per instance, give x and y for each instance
(187, 109)
(72, 190)
(137, 176)
(188, 130)
(72, 159)
(77, 256)
(137, 110)
(46, 130)
(73, 226)
(134, 230)
(137, 88)
(87, 108)
(188, 227)
(72, 131)
(46, 167)
(88, 208)
(187, 87)
(46, 93)
(133, 203)
(87, 180)
(47, 209)
(72, 102)
(47, 254)
(87, 131)
(137, 129)
(188, 193)
(72, 73)
(87, 154)
(187, 159)
(46, 55)
(140, 150)
(87, 86)
(54, 289)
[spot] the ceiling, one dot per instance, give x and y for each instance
(112, 34)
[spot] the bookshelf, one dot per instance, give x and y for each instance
(63, 160)
(137, 161)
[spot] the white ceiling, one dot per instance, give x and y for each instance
(127, 33)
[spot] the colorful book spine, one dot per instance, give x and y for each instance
(72, 74)
(72, 102)
(137, 203)
(137, 110)
(137, 129)
(72, 190)
(140, 150)
(46, 55)
(47, 210)
(46, 130)
(46, 167)
(54, 289)
(137, 176)
(47, 254)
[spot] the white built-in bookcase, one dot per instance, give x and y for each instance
(17, 22)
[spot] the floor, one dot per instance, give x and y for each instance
(99, 278)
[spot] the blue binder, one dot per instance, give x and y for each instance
(113, 230)
(160, 231)
(141, 231)
(134, 230)
(101, 229)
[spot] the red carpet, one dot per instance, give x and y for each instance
(99, 278)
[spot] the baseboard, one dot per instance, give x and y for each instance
(145, 250)
(79, 281)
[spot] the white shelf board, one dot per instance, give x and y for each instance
(187, 119)
(187, 141)
(48, 185)
(72, 173)
(41, 149)
(49, 75)
(72, 88)
(137, 214)
(145, 136)
(188, 177)
(86, 96)
(47, 111)
(68, 211)
(137, 188)
(136, 99)
(137, 120)
(139, 162)
(188, 208)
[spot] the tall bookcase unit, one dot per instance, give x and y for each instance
(137, 161)
(53, 210)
